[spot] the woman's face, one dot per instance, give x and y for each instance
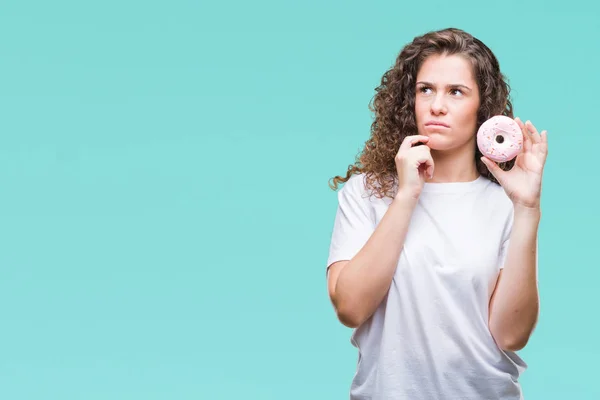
(446, 103)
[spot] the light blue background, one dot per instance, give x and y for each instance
(164, 208)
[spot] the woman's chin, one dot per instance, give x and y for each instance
(445, 143)
(437, 143)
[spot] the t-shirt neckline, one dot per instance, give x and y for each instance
(454, 187)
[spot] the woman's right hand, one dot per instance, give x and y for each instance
(413, 164)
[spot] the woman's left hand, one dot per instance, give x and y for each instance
(523, 183)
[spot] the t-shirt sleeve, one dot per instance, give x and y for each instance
(353, 223)
(503, 251)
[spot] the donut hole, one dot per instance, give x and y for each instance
(499, 139)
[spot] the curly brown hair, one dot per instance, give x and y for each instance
(394, 105)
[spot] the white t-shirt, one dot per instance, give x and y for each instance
(429, 338)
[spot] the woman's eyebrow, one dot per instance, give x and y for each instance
(452, 85)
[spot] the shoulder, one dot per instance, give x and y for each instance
(355, 186)
(497, 192)
(357, 192)
(498, 201)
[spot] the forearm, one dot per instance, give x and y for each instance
(365, 280)
(514, 306)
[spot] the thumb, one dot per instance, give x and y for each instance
(494, 169)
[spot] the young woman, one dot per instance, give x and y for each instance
(433, 256)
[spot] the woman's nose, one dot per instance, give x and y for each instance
(437, 105)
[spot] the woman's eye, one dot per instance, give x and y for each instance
(424, 89)
(456, 91)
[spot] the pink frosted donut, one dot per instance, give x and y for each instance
(500, 138)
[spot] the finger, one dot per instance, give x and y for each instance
(430, 171)
(429, 167)
(524, 130)
(411, 140)
(426, 160)
(417, 139)
(494, 169)
(544, 144)
(535, 136)
(423, 160)
(526, 136)
(544, 136)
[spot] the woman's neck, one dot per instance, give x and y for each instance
(456, 166)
